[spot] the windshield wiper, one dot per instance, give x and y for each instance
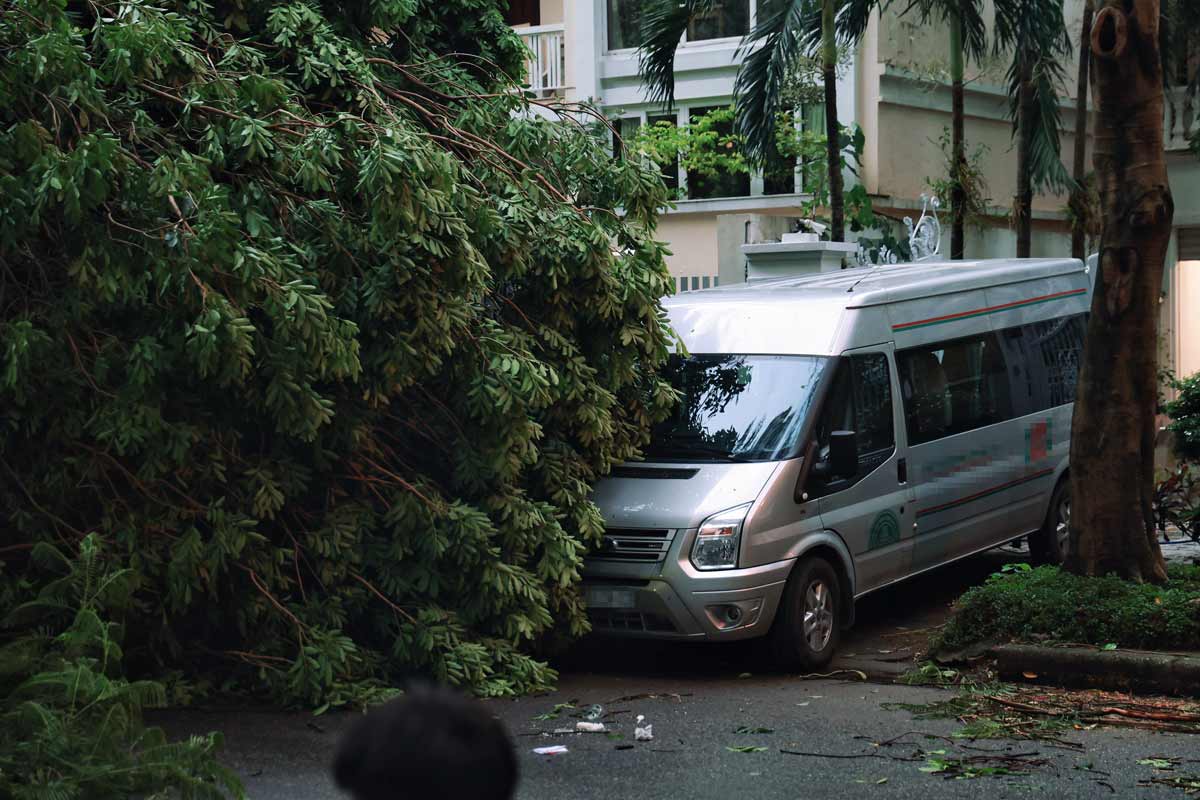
(691, 450)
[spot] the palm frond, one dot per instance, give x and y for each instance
(853, 17)
(1046, 167)
(1035, 34)
(973, 24)
(663, 25)
(768, 53)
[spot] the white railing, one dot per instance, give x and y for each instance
(546, 68)
(1182, 119)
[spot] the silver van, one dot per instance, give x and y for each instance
(838, 433)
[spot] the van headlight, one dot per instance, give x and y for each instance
(719, 539)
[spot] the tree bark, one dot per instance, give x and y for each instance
(958, 140)
(1079, 193)
(1112, 435)
(833, 150)
(1024, 201)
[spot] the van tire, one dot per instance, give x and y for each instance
(814, 589)
(1049, 545)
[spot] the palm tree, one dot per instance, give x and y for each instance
(1035, 34)
(968, 39)
(786, 29)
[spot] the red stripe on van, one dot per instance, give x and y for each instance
(920, 323)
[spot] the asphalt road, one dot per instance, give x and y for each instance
(697, 696)
(285, 756)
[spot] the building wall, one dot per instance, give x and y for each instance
(692, 239)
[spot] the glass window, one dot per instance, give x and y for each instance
(860, 400)
(1043, 362)
(723, 184)
(670, 172)
(523, 12)
(953, 387)
(625, 129)
(723, 19)
(624, 24)
(736, 407)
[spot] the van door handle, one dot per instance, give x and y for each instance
(902, 470)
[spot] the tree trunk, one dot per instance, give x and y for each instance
(1079, 193)
(833, 149)
(1023, 209)
(1112, 436)
(958, 137)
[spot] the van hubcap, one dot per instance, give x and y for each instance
(818, 616)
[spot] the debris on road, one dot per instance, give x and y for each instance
(643, 733)
(1011, 712)
(553, 750)
(590, 727)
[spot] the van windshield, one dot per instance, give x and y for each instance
(736, 407)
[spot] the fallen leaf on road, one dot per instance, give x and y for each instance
(746, 748)
(746, 729)
(1030, 675)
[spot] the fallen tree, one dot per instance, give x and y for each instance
(320, 331)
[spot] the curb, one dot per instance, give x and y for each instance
(1101, 669)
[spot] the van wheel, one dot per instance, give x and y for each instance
(1050, 544)
(806, 630)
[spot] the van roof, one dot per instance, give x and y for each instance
(803, 314)
(890, 283)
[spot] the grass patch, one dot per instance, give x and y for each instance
(1049, 604)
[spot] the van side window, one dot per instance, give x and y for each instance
(1043, 360)
(860, 400)
(953, 387)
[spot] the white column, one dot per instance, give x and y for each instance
(847, 103)
(584, 24)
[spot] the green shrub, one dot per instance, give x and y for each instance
(70, 724)
(1184, 411)
(1049, 603)
(307, 314)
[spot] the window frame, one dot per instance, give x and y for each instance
(870, 461)
(752, 21)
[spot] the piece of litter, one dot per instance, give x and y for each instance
(594, 712)
(560, 731)
(623, 747)
(642, 733)
(551, 751)
(590, 727)
(801, 704)
(746, 675)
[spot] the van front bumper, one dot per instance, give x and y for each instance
(722, 606)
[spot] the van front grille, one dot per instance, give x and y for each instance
(610, 620)
(648, 545)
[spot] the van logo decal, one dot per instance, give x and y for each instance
(979, 312)
(885, 530)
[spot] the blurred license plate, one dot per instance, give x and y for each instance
(609, 598)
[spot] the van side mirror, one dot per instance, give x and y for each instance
(843, 453)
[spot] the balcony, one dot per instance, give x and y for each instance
(546, 68)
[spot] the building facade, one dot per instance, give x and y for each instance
(894, 87)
